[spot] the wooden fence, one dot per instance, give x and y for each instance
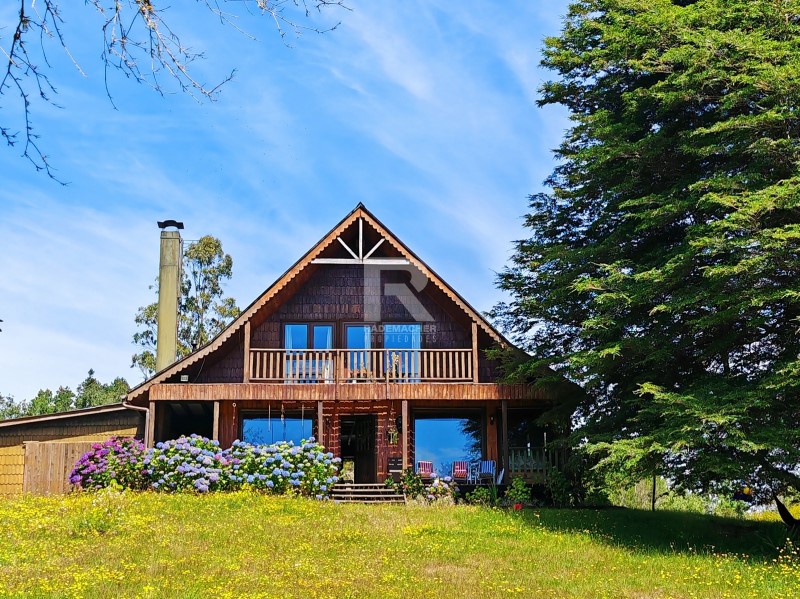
(48, 464)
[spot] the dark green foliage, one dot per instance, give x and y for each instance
(662, 268)
(9, 408)
(204, 309)
(518, 492)
(483, 495)
(91, 392)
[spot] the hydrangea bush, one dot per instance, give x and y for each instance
(119, 459)
(198, 464)
(189, 463)
(440, 490)
(306, 468)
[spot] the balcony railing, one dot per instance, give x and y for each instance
(534, 462)
(361, 365)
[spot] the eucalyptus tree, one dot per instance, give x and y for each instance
(204, 309)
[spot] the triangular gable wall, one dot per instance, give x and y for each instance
(347, 233)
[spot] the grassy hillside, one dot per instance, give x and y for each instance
(152, 545)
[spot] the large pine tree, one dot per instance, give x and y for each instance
(663, 265)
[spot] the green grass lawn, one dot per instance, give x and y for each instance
(246, 545)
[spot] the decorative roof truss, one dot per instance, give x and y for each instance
(358, 255)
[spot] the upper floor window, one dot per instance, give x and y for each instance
(308, 336)
(402, 336)
(300, 365)
(403, 342)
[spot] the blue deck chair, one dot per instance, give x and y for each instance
(486, 470)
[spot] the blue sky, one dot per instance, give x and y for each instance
(423, 111)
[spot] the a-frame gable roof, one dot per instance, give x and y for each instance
(334, 237)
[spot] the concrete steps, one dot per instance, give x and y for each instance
(365, 493)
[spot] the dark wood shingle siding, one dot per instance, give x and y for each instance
(336, 294)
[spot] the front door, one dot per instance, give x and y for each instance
(358, 446)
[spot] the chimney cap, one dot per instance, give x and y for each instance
(163, 224)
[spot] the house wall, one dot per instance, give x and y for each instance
(87, 427)
(385, 412)
(335, 294)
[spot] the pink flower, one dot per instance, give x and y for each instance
(517, 506)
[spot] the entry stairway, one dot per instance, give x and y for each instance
(365, 493)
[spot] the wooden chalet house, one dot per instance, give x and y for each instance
(357, 342)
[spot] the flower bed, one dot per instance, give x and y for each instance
(440, 490)
(198, 464)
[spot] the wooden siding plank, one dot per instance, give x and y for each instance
(361, 391)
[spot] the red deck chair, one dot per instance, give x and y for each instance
(461, 470)
(425, 469)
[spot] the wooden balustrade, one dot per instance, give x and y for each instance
(361, 365)
(534, 462)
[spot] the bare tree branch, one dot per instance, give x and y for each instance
(137, 41)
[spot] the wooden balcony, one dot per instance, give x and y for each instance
(363, 366)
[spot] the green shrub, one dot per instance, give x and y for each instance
(485, 496)
(410, 484)
(559, 488)
(518, 492)
(442, 490)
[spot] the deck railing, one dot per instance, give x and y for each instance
(361, 365)
(534, 462)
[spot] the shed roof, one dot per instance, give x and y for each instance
(115, 407)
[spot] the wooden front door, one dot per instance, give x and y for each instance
(358, 445)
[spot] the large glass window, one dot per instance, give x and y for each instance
(359, 337)
(403, 342)
(302, 365)
(295, 336)
(444, 440)
(264, 429)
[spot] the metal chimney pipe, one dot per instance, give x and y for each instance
(169, 277)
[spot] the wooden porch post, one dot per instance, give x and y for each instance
(320, 424)
(215, 425)
(474, 352)
(246, 368)
(149, 439)
(404, 424)
(491, 431)
(504, 434)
